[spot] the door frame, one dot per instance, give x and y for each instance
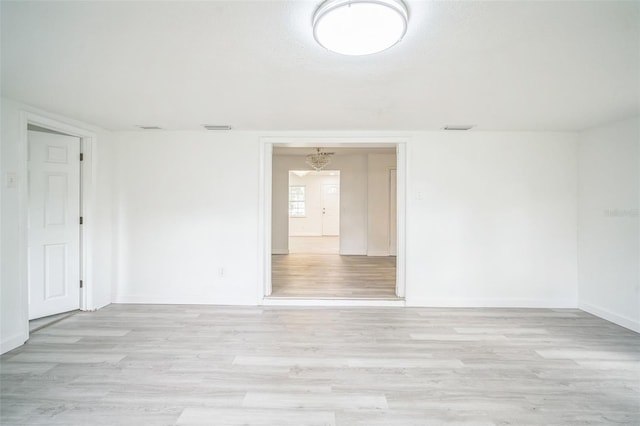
(88, 184)
(389, 170)
(265, 200)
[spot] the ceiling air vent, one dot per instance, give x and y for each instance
(216, 127)
(150, 127)
(458, 127)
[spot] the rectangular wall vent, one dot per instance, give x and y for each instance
(458, 127)
(216, 127)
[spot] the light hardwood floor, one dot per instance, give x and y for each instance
(333, 276)
(207, 365)
(314, 245)
(314, 269)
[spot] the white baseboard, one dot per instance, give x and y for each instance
(151, 299)
(290, 301)
(348, 252)
(267, 301)
(279, 251)
(12, 342)
(435, 303)
(100, 306)
(307, 234)
(492, 303)
(605, 314)
(378, 253)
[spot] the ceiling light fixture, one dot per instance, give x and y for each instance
(360, 27)
(216, 127)
(319, 160)
(458, 127)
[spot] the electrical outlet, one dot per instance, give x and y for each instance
(11, 180)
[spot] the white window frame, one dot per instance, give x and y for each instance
(303, 201)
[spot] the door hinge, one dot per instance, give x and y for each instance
(81, 157)
(80, 220)
(80, 283)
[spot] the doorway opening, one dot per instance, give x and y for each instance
(54, 219)
(364, 265)
(314, 212)
(87, 139)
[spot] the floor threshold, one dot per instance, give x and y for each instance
(332, 301)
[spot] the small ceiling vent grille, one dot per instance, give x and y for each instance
(458, 127)
(216, 127)
(150, 127)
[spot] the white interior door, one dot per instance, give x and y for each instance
(53, 224)
(393, 212)
(330, 209)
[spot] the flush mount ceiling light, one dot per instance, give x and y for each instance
(458, 127)
(360, 27)
(216, 127)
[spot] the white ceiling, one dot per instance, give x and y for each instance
(510, 65)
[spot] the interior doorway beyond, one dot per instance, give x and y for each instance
(365, 213)
(314, 211)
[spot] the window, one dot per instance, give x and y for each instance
(297, 201)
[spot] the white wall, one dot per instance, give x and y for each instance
(14, 326)
(379, 166)
(311, 223)
(101, 218)
(609, 225)
(186, 207)
(491, 219)
(353, 201)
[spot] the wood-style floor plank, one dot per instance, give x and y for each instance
(195, 365)
(314, 245)
(333, 276)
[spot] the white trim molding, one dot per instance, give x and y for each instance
(264, 222)
(188, 299)
(13, 342)
(348, 252)
(381, 253)
(493, 303)
(620, 320)
(292, 301)
(265, 208)
(279, 251)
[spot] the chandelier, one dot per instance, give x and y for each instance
(319, 160)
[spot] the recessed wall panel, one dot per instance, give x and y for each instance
(55, 261)
(57, 154)
(55, 199)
